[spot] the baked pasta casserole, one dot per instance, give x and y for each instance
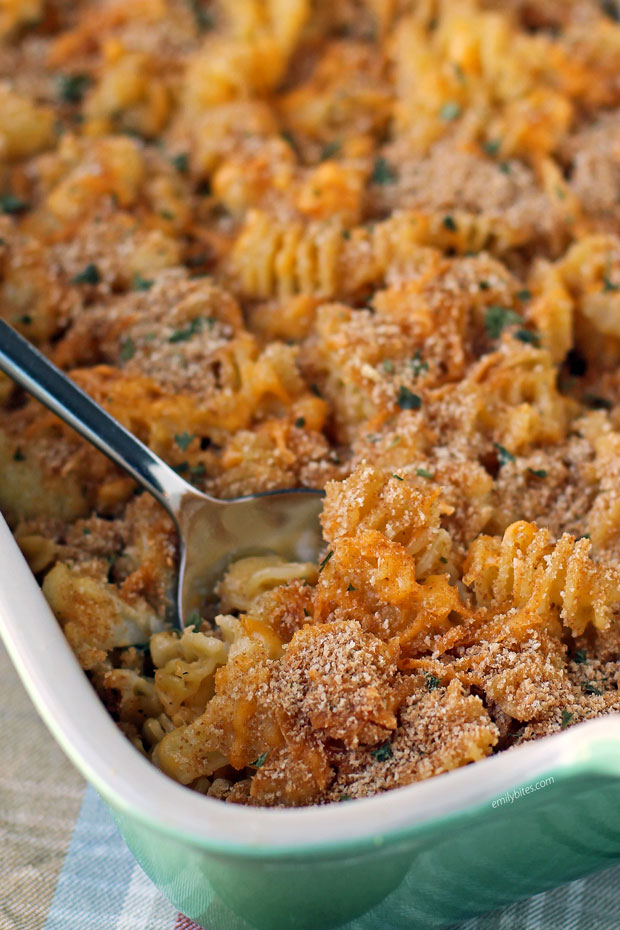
(371, 246)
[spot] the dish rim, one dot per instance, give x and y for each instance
(134, 786)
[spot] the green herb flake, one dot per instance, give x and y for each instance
(432, 682)
(527, 336)
(388, 366)
(345, 797)
(443, 559)
(450, 111)
(407, 400)
(498, 318)
(198, 471)
(182, 335)
(203, 18)
(560, 193)
(89, 275)
(398, 477)
(538, 472)
(166, 215)
(503, 454)
(72, 87)
(608, 285)
(524, 294)
(194, 621)
(141, 284)
(566, 719)
(424, 473)
(86, 531)
(350, 587)
(18, 456)
(504, 167)
(449, 223)
(596, 402)
(382, 172)
(26, 319)
(258, 763)
(417, 365)
(127, 350)
(330, 149)
(316, 390)
(326, 560)
(181, 468)
(580, 657)
(11, 204)
(346, 233)
(300, 422)
(181, 162)
(383, 752)
(492, 146)
(589, 687)
(484, 285)
(183, 440)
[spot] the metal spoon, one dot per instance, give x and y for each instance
(212, 532)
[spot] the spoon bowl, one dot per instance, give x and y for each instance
(212, 532)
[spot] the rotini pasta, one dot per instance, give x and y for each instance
(370, 247)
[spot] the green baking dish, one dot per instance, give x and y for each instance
(420, 857)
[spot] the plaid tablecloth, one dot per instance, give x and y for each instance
(63, 865)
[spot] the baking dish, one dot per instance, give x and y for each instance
(424, 856)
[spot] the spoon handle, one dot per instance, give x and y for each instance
(39, 377)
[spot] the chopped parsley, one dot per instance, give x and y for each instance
(9, 203)
(450, 111)
(89, 275)
(580, 657)
(181, 162)
(300, 422)
(183, 440)
(86, 531)
(198, 471)
(184, 333)
(538, 472)
(350, 587)
(504, 167)
(330, 149)
(398, 477)
(127, 350)
(388, 366)
(141, 284)
(503, 454)
(498, 318)
(432, 682)
(590, 688)
(524, 294)
(484, 285)
(194, 620)
(326, 560)
(72, 87)
(18, 456)
(258, 763)
(449, 223)
(316, 390)
(345, 797)
(407, 400)
(417, 365)
(424, 473)
(202, 17)
(492, 146)
(608, 285)
(166, 215)
(26, 319)
(526, 335)
(382, 172)
(566, 719)
(383, 752)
